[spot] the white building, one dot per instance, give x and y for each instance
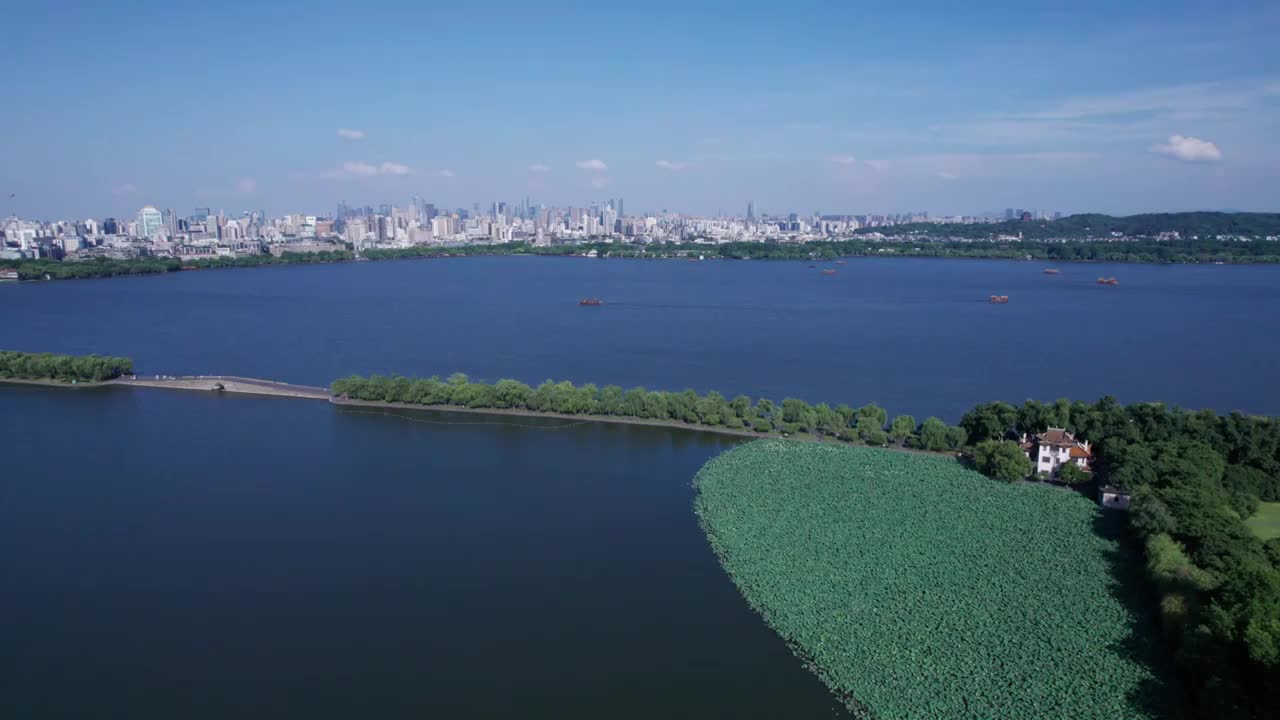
(1054, 448)
(149, 222)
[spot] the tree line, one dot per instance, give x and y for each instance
(868, 424)
(41, 268)
(935, 244)
(1195, 477)
(47, 366)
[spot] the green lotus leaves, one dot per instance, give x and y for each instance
(916, 588)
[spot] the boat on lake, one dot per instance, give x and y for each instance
(840, 262)
(591, 302)
(998, 299)
(828, 272)
(1108, 281)
(1051, 271)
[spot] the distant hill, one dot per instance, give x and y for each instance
(1187, 224)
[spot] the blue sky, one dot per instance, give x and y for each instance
(697, 107)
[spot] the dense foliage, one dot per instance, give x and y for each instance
(865, 424)
(46, 366)
(919, 589)
(1196, 477)
(104, 267)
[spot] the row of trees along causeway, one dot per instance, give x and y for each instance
(869, 424)
(1195, 477)
(67, 368)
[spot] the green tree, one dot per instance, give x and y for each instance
(829, 421)
(903, 427)
(1071, 474)
(933, 435)
(799, 414)
(1001, 460)
(877, 414)
(989, 421)
(511, 394)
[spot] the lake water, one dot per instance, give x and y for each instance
(179, 555)
(184, 555)
(914, 335)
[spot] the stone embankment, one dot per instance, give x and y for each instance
(223, 383)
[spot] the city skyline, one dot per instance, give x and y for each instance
(844, 110)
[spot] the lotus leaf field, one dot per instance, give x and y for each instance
(916, 588)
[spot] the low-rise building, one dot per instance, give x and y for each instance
(1054, 448)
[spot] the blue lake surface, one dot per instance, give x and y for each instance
(180, 555)
(166, 554)
(913, 335)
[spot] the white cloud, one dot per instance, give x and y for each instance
(125, 189)
(671, 165)
(877, 165)
(364, 169)
(594, 165)
(842, 159)
(446, 173)
(350, 134)
(944, 175)
(247, 185)
(1189, 149)
(539, 168)
(359, 168)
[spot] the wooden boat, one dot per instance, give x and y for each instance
(998, 299)
(1051, 271)
(591, 302)
(1108, 281)
(828, 272)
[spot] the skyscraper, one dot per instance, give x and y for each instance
(751, 209)
(150, 222)
(621, 214)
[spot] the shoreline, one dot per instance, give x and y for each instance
(686, 257)
(45, 382)
(268, 388)
(644, 422)
(522, 413)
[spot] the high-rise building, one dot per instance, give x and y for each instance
(621, 214)
(751, 209)
(150, 222)
(1008, 213)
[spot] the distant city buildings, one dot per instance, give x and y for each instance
(205, 233)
